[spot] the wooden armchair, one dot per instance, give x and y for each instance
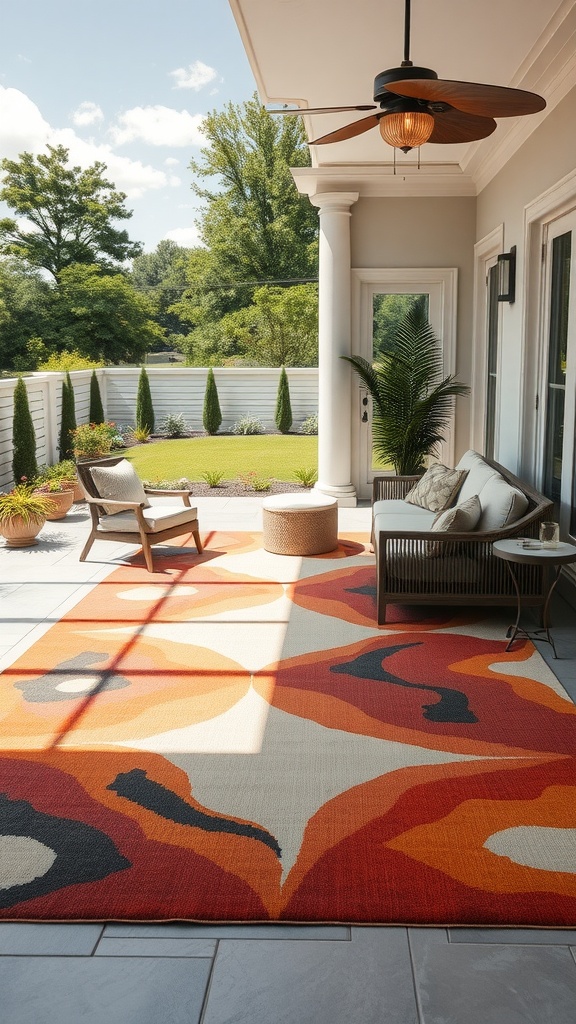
(120, 510)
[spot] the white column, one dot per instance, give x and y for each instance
(334, 340)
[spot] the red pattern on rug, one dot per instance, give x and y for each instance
(231, 738)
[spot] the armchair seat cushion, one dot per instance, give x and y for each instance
(156, 517)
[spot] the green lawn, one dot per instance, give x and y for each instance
(274, 456)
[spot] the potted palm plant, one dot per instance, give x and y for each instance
(23, 513)
(412, 401)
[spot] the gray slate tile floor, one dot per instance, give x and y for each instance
(231, 974)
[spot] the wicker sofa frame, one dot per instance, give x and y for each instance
(462, 570)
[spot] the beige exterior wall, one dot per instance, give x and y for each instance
(544, 160)
(425, 232)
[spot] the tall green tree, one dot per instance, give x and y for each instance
(211, 413)
(24, 462)
(68, 213)
(283, 411)
(24, 315)
(96, 410)
(102, 317)
(67, 419)
(144, 409)
(254, 224)
(279, 328)
(161, 275)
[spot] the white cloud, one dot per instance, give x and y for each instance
(87, 113)
(158, 126)
(130, 176)
(195, 76)
(187, 237)
(171, 161)
(22, 128)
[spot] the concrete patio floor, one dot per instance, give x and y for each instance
(204, 974)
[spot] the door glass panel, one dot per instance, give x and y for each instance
(387, 312)
(559, 310)
(492, 341)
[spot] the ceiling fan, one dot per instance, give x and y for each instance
(417, 107)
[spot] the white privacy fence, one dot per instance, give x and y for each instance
(174, 391)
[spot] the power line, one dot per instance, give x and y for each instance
(254, 284)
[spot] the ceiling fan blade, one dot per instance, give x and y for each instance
(349, 130)
(320, 110)
(454, 126)
(471, 97)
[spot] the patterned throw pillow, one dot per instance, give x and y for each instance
(437, 489)
(119, 482)
(459, 519)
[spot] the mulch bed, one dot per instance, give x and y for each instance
(234, 489)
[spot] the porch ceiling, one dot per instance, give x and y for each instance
(327, 53)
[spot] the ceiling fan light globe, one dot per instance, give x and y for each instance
(406, 130)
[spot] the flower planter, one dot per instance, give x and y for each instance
(20, 533)
(63, 501)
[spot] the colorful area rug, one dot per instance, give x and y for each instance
(232, 739)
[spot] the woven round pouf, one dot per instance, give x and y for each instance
(300, 524)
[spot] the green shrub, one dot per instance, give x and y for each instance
(213, 477)
(306, 476)
(96, 411)
(92, 440)
(248, 424)
(23, 436)
(211, 414)
(67, 420)
(283, 413)
(174, 425)
(68, 360)
(251, 481)
(182, 484)
(144, 407)
(310, 425)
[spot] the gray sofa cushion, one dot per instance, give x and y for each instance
(502, 504)
(479, 472)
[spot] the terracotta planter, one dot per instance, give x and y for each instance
(78, 492)
(21, 534)
(63, 501)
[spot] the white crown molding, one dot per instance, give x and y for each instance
(549, 69)
(380, 181)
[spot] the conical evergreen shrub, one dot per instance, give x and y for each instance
(96, 412)
(283, 414)
(211, 414)
(23, 436)
(144, 407)
(67, 420)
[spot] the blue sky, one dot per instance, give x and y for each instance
(126, 82)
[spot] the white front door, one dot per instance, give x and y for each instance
(379, 298)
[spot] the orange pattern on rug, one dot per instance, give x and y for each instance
(232, 738)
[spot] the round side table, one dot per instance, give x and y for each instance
(300, 524)
(552, 560)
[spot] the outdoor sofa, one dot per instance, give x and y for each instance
(426, 556)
